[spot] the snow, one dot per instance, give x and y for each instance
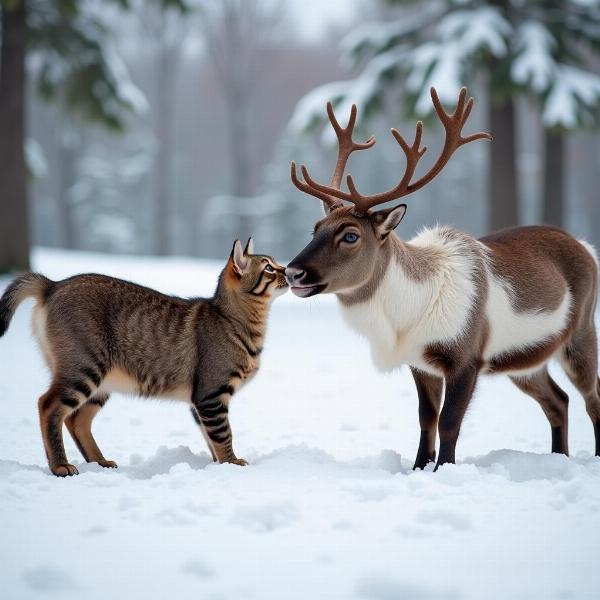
(328, 507)
(126, 92)
(534, 64)
(430, 67)
(310, 109)
(440, 63)
(571, 96)
(37, 165)
(367, 39)
(574, 97)
(483, 27)
(438, 46)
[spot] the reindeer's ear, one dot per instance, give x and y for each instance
(238, 260)
(388, 219)
(249, 249)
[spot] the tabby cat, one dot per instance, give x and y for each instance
(99, 334)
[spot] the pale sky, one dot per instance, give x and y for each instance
(314, 16)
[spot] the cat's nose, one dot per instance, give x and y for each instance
(294, 274)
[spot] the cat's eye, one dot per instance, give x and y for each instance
(351, 237)
(269, 269)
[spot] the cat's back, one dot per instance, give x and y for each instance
(124, 317)
(105, 293)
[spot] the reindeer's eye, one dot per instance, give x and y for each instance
(269, 269)
(351, 237)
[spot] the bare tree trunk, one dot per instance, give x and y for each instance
(68, 148)
(503, 194)
(14, 211)
(242, 163)
(553, 178)
(165, 80)
(237, 35)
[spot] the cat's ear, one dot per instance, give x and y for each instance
(249, 249)
(239, 261)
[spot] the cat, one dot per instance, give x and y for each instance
(100, 334)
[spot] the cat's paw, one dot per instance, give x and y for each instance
(240, 461)
(65, 470)
(108, 464)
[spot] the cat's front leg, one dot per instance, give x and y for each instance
(213, 414)
(204, 433)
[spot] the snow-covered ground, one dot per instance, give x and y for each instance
(327, 508)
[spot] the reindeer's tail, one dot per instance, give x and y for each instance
(30, 285)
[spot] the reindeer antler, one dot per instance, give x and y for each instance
(346, 146)
(453, 125)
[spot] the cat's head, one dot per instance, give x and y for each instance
(255, 274)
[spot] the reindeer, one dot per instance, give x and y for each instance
(450, 306)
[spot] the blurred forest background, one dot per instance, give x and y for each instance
(167, 127)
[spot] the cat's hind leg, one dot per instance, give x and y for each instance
(79, 424)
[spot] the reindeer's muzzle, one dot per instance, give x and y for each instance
(303, 282)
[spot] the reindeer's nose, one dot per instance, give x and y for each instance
(294, 275)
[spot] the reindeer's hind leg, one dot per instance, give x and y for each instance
(79, 424)
(554, 402)
(580, 361)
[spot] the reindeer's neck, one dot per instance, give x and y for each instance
(423, 293)
(402, 269)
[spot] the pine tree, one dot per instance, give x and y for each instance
(553, 45)
(517, 48)
(73, 63)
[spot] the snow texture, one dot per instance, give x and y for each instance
(328, 508)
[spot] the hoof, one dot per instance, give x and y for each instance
(108, 464)
(64, 470)
(422, 461)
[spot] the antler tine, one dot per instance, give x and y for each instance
(413, 154)
(346, 145)
(332, 118)
(453, 125)
(467, 112)
(363, 203)
(327, 200)
(460, 104)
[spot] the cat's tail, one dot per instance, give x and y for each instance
(31, 285)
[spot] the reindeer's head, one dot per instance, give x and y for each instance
(347, 244)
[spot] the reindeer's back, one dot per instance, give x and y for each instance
(540, 264)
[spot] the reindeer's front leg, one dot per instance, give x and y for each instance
(459, 390)
(213, 413)
(429, 389)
